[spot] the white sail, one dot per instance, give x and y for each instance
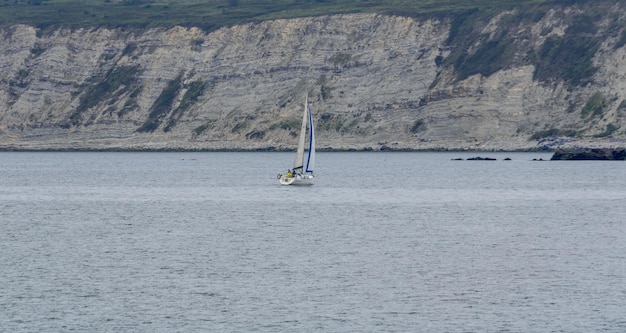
(298, 163)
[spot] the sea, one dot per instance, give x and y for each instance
(382, 242)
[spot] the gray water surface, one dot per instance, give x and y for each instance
(383, 242)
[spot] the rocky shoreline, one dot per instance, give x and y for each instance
(576, 153)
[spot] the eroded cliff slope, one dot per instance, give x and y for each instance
(517, 80)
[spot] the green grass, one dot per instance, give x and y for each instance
(610, 129)
(553, 132)
(570, 56)
(162, 106)
(203, 128)
(595, 105)
(331, 122)
(117, 82)
(212, 14)
(194, 91)
(287, 124)
(418, 126)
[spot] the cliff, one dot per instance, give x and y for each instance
(543, 79)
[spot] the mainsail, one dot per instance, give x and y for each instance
(304, 163)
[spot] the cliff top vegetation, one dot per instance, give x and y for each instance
(212, 14)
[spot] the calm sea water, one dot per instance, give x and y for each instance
(383, 242)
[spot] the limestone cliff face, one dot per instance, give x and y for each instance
(374, 82)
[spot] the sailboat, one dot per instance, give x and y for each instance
(302, 173)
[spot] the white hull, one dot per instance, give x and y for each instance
(297, 180)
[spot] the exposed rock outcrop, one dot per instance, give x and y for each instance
(479, 158)
(375, 82)
(590, 154)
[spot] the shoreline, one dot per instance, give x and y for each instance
(268, 150)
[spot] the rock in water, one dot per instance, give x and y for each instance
(606, 154)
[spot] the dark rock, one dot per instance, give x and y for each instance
(599, 154)
(268, 148)
(481, 159)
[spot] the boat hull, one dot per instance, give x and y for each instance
(297, 180)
